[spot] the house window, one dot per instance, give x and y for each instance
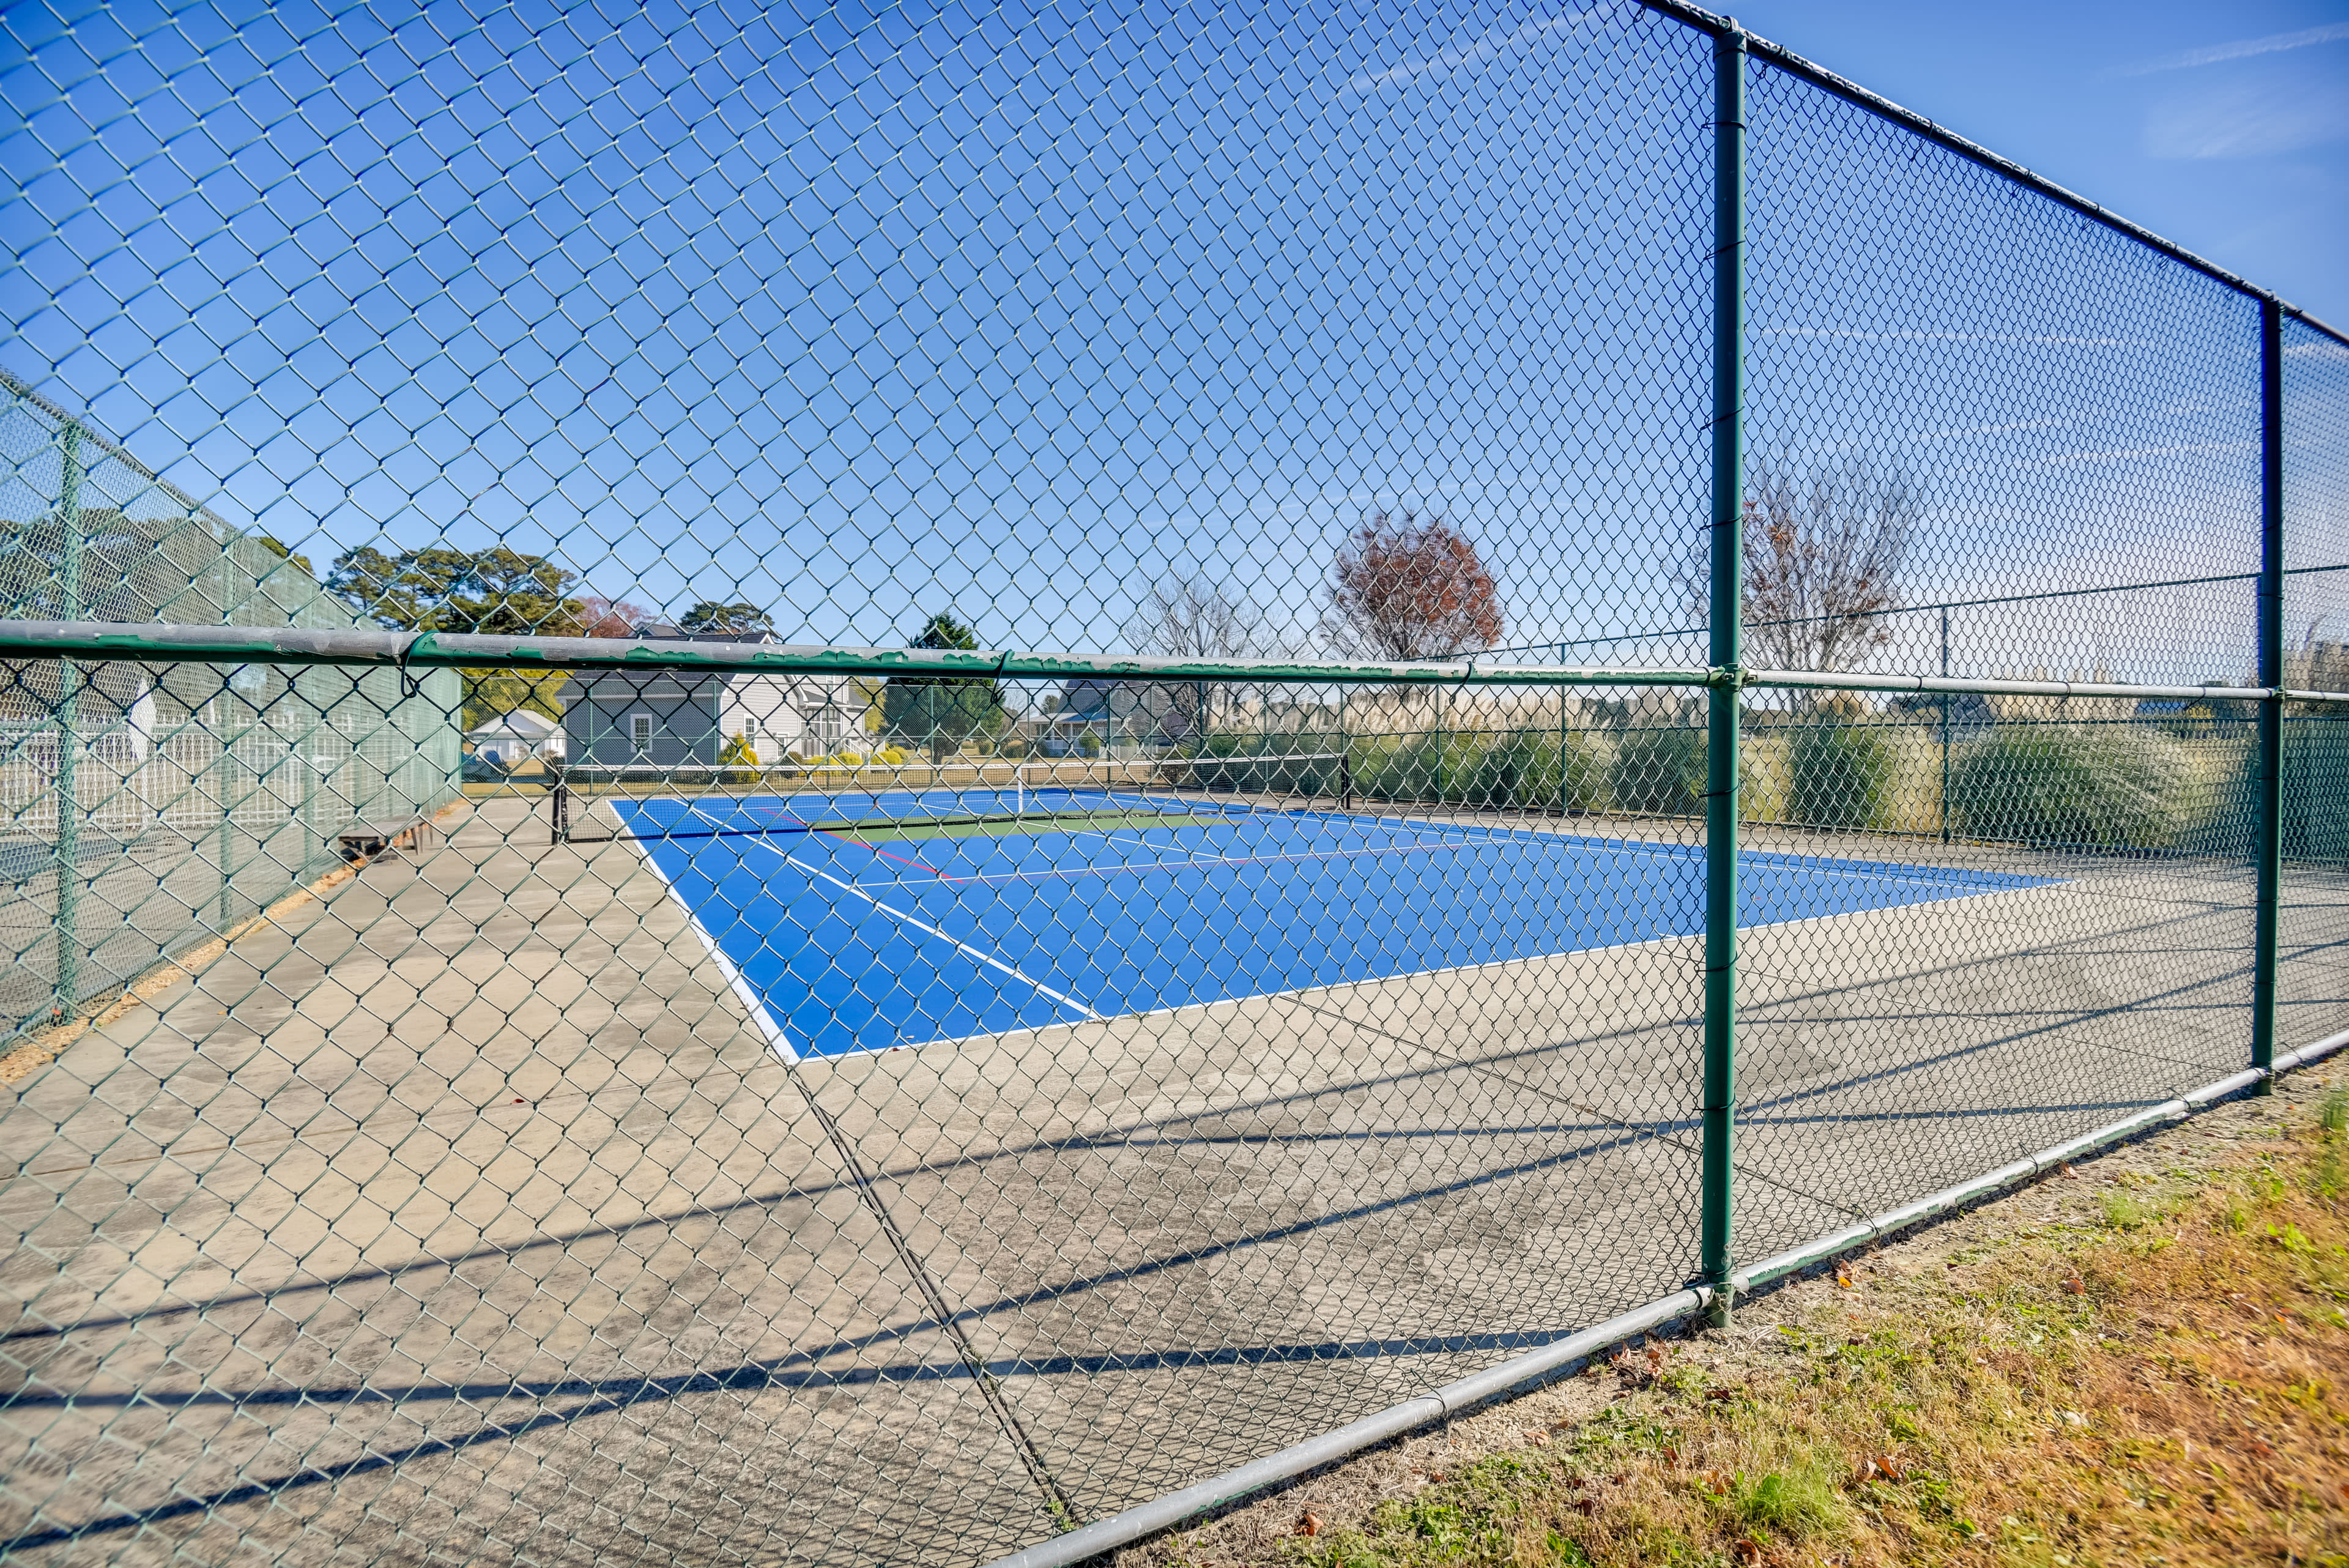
(640, 732)
(826, 722)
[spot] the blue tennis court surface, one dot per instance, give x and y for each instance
(851, 939)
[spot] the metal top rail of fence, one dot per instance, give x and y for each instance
(1664, 668)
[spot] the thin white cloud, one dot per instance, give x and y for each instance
(2241, 48)
(1491, 45)
(2245, 123)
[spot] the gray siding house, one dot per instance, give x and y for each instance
(655, 721)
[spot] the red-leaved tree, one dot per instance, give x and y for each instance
(1408, 588)
(610, 618)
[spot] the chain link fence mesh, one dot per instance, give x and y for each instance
(2314, 913)
(149, 808)
(1980, 425)
(656, 1108)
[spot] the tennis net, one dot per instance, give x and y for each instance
(1032, 797)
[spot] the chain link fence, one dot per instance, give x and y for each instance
(830, 785)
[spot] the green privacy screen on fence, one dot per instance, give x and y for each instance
(151, 806)
(824, 786)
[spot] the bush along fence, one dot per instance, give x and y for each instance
(2119, 785)
(1548, 825)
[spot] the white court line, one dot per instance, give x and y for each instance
(783, 1049)
(1462, 835)
(777, 1040)
(1444, 838)
(1125, 867)
(1948, 887)
(1449, 971)
(1189, 857)
(1748, 859)
(981, 955)
(1196, 860)
(1443, 833)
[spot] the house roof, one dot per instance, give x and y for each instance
(521, 723)
(662, 631)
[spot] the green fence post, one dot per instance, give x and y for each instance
(1722, 701)
(1562, 697)
(1562, 796)
(229, 797)
(1443, 744)
(65, 987)
(2269, 815)
(309, 776)
(1345, 758)
(1945, 727)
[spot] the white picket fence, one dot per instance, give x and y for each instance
(190, 781)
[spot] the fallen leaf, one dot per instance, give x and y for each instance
(1883, 1466)
(2077, 1286)
(1309, 1525)
(1670, 1454)
(1843, 1275)
(1539, 1439)
(2067, 1173)
(1747, 1551)
(1587, 1506)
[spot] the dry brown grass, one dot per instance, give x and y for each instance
(2161, 1378)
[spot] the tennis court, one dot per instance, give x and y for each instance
(868, 922)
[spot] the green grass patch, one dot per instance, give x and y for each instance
(2165, 1378)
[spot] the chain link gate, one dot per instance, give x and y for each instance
(1666, 668)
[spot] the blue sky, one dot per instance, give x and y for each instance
(2224, 128)
(864, 313)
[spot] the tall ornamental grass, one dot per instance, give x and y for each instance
(1539, 771)
(2115, 786)
(1659, 771)
(1844, 776)
(2316, 789)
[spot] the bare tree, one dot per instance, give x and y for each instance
(1823, 563)
(1193, 617)
(1411, 588)
(1196, 617)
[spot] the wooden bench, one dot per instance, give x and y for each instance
(365, 840)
